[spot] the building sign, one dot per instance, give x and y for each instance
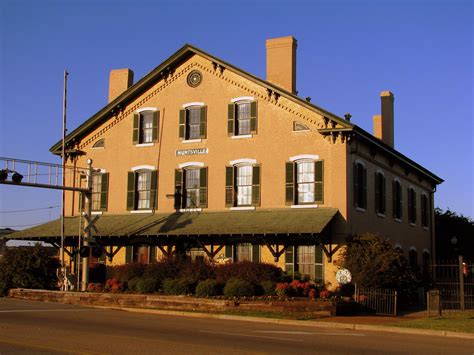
(198, 151)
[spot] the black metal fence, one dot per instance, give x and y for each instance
(455, 281)
(378, 301)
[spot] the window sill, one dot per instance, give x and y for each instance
(304, 206)
(97, 148)
(302, 130)
(243, 208)
(242, 136)
(360, 209)
(412, 224)
(425, 228)
(144, 145)
(190, 210)
(398, 220)
(382, 215)
(97, 212)
(141, 211)
(191, 140)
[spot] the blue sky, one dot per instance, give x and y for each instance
(348, 51)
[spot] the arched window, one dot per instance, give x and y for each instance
(411, 205)
(424, 211)
(145, 126)
(380, 193)
(242, 183)
(304, 182)
(360, 185)
(397, 200)
(425, 260)
(142, 186)
(191, 186)
(413, 258)
(99, 144)
(193, 121)
(242, 117)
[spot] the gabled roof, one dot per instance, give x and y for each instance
(186, 52)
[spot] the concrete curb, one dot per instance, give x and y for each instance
(313, 324)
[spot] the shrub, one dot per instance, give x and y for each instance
(312, 294)
(95, 287)
(268, 287)
(248, 271)
(114, 285)
(132, 284)
(147, 285)
(208, 288)
(324, 294)
(126, 272)
(177, 286)
(282, 289)
(236, 287)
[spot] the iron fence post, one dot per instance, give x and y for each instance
(461, 284)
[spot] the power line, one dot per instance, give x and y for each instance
(32, 209)
(24, 225)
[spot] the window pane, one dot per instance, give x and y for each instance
(143, 189)
(96, 190)
(243, 118)
(244, 252)
(305, 181)
(244, 185)
(306, 264)
(146, 127)
(193, 122)
(192, 188)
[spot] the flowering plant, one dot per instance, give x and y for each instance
(114, 285)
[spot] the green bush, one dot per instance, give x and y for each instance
(177, 286)
(147, 285)
(132, 284)
(236, 287)
(208, 288)
(268, 287)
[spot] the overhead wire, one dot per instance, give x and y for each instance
(31, 209)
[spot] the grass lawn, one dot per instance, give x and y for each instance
(454, 322)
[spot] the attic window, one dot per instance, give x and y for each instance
(99, 144)
(298, 126)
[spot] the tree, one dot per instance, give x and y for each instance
(449, 224)
(374, 262)
(28, 267)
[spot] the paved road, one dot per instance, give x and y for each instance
(28, 327)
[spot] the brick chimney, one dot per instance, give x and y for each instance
(384, 124)
(281, 62)
(119, 81)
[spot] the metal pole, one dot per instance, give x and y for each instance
(63, 199)
(86, 235)
(461, 283)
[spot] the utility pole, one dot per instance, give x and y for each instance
(87, 224)
(63, 198)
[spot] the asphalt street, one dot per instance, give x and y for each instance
(28, 327)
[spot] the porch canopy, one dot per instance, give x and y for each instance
(225, 227)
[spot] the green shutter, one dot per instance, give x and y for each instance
(319, 181)
(229, 252)
(131, 191)
(153, 189)
(203, 122)
(152, 253)
(136, 121)
(129, 254)
(318, 254)
(203, 187)
(230, 119)
(289, 259)
(178, 189)
(229, 186)
(290, 184)
(104, 191)
(253, 117)
(256, 185)
(156, 120)
(255, 253)
(377, 193)
(182, 123)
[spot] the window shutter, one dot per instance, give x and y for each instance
(355, 185)
(104, 191)
(253, 117)
(152, 253)
(182, 123)
(178, 189)
(255, 253)
(229, 186)
(156, 120)
(203, 187)
(384, 195)
(136, 121)
(129, 254)
(256, 185)
(414, 206)
(80, 202)
(153, 188)
(409, 199)
(318, 254)
(203, 123)
(364, 187)
(289, 259)
(319, 181)
(290, 184)
(229, 253)
(131, 191)
(230, 119)
(400, 203)
(377, 193)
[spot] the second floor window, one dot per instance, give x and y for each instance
(242, 118)
(411, 205)
(100, 186)
(191, 188)
(304, 182)
(397, 200)
(145, 127)
(380, 193)
(243, 185)
(424, 210)
(360, 186)
(141, 192)
(192, 122)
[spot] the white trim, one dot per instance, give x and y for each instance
(96, 212)
(397, 220)
(189, 104)
(426, 251)
(380, 171)
(141, 211)
(143, 167)
(192, 141)
(97, 148)
(304, 206)
(398, 245)
(304, 156)
(190, 210)
(301, 130)
(361, 162)
(381, 214)
(140, 145)
(99, 170)
(360, 209)
(412, 248)
(241, 136)
(243, 161)
(397, 179)
(242, 98)
(147, 109)
(243, 208)
(191, 163)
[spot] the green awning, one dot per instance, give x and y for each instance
(256, 222)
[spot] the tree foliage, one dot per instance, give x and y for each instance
(28, 267)
(449, 224)
(374, 262)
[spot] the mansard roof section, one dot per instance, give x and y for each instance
(159, 72)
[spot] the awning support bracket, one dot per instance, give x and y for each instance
(210, 253)
(278, 252)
